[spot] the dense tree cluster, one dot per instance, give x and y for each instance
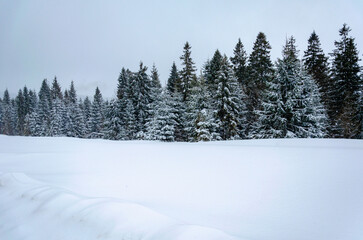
(244, 96)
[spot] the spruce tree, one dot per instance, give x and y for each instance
(228, 102)
(56, 119)
(239, 63)
(87, 108)
(97, 115)
(162, 125)
(187, 74)
(344, 110)
(56, 90)
(316, 65)
(312, 113)
(174, 84)
(203, 118)
(8, 126)
(123, 83)
(141, 98)
(72, 94)
(211, 70)
(155, 81)
(20, 112)
(114, 129)
(260, 71)
(44, 108)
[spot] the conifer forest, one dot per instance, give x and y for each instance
(232, 97)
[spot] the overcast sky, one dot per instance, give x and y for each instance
(90, 41)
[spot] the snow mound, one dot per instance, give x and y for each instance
(30, 209)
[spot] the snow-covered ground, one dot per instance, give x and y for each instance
(64, 188)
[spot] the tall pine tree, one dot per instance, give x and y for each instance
(344, 109)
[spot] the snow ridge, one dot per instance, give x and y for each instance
(30, 209)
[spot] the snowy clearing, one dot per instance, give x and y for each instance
(65, 188)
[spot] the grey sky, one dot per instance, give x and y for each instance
(90, 41)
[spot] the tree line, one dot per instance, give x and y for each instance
(240, 97)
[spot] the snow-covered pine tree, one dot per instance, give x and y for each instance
(72, 94)
(56, 90)
(123, 83)
(174, 84)
(126, 95)
(205, 127)
(87, 108)
(8, 126)
(287, 74)
(114, 129)
(97, 115)
(20, 109)
(345, 87)
(44, 108)
(239, 63)
(162, 125)
(187, 74)
(56, 118)
(141, 98)
(175, 91)
(313, 114)
(228, 102)
(270, 123)
(316, 65)
(260, 71)
(31, 116)
(211, 70)
(155, 81)
(155, 92)
(32, 126)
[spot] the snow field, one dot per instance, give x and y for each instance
(281, 189)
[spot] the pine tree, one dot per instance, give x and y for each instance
(155, 81)
(228, 102)
(211, 70)
(44, 108)
(113, 125)
(97, 115)
(187, 74)
(179, 112)
(312, 113)
(155, 91)
(7, 118)
(204, 123)
(162, 125)
(32, 126)
(72, 94)
(344, 93)
(56, 91)
(174, 84)
(127, 97)
(316, 65)
(271, 123)
(123, 83)
(141, 98)
(56, 119)
(27, 101)
(87, 108)
(260, 71)
(20, 112)
(239, 62)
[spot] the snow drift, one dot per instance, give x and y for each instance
(33, 210)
